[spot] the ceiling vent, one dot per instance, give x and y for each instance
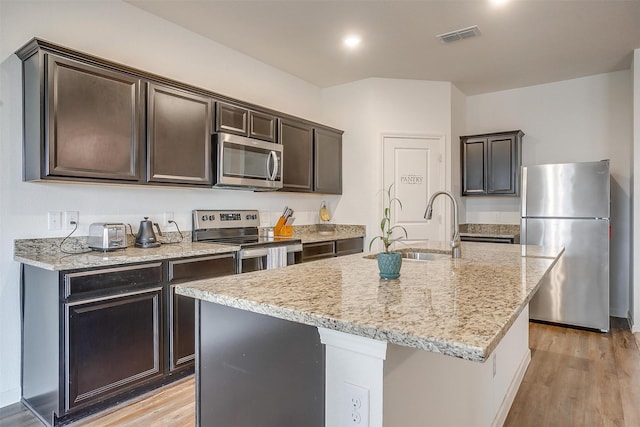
(464, 33)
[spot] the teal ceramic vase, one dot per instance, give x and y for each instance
(389, 264)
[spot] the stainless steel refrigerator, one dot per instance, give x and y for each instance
(568, 205)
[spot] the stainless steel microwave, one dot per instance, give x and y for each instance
(245, 162)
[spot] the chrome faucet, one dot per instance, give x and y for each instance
(455, 238)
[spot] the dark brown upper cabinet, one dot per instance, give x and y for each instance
(80, 120)
(312, 158)
(491, 164)
(327, 169)
(90, 119)
(179, 127)
(296, 138)
(246, 122)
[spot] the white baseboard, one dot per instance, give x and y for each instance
(501, 416)
(9, 397)
(635, 328)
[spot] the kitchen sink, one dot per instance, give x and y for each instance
(416, 255)
(423, 256)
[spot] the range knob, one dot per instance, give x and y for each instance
(211, 217)
(204, 217)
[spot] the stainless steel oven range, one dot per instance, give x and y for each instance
(240, 227)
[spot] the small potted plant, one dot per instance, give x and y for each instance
(389, 262)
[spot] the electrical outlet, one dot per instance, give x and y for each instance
(71, 216)
(355, 406)
(168, 216)
(53, 220)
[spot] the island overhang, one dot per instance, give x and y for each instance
(456, 307)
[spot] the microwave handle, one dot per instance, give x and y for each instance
(274, 156)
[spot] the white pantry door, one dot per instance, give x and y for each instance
(415, 166)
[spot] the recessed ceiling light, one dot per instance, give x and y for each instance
(498, 2)
(352, 41)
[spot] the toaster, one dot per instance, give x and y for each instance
(106, 236)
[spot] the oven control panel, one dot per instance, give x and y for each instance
(204, 219)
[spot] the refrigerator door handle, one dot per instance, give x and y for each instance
(523, 187)
(523, 236)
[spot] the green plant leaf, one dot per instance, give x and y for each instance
(385, 224)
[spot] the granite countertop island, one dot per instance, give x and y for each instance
(457, 307)
(447, 334)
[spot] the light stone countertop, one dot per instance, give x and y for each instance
(310, 233)
(46, 254)
(457, 307)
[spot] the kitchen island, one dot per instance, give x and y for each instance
(445, 344)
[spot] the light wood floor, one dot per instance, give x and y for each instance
(580, 378)
(171, 406)
(576, 378)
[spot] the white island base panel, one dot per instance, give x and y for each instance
(411, 387)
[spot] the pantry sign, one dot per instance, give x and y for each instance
(411, 179)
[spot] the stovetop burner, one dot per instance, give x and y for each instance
(239, 227)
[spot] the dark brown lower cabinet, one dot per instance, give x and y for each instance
(349, 246)
(181, 313)
(182, 344)
(95, 337)
(318, 250)
(113, 343)
(328, 249)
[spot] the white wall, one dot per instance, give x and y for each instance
(458, 128)
(569, 121)
(634, 291)
(125, 34)
(367, 109)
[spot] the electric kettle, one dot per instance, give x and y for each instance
(146, 238)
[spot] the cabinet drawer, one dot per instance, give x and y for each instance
(200, 268)
(349, 246)
(313, 251)
(110, 279)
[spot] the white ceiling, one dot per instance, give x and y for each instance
(522, 43)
